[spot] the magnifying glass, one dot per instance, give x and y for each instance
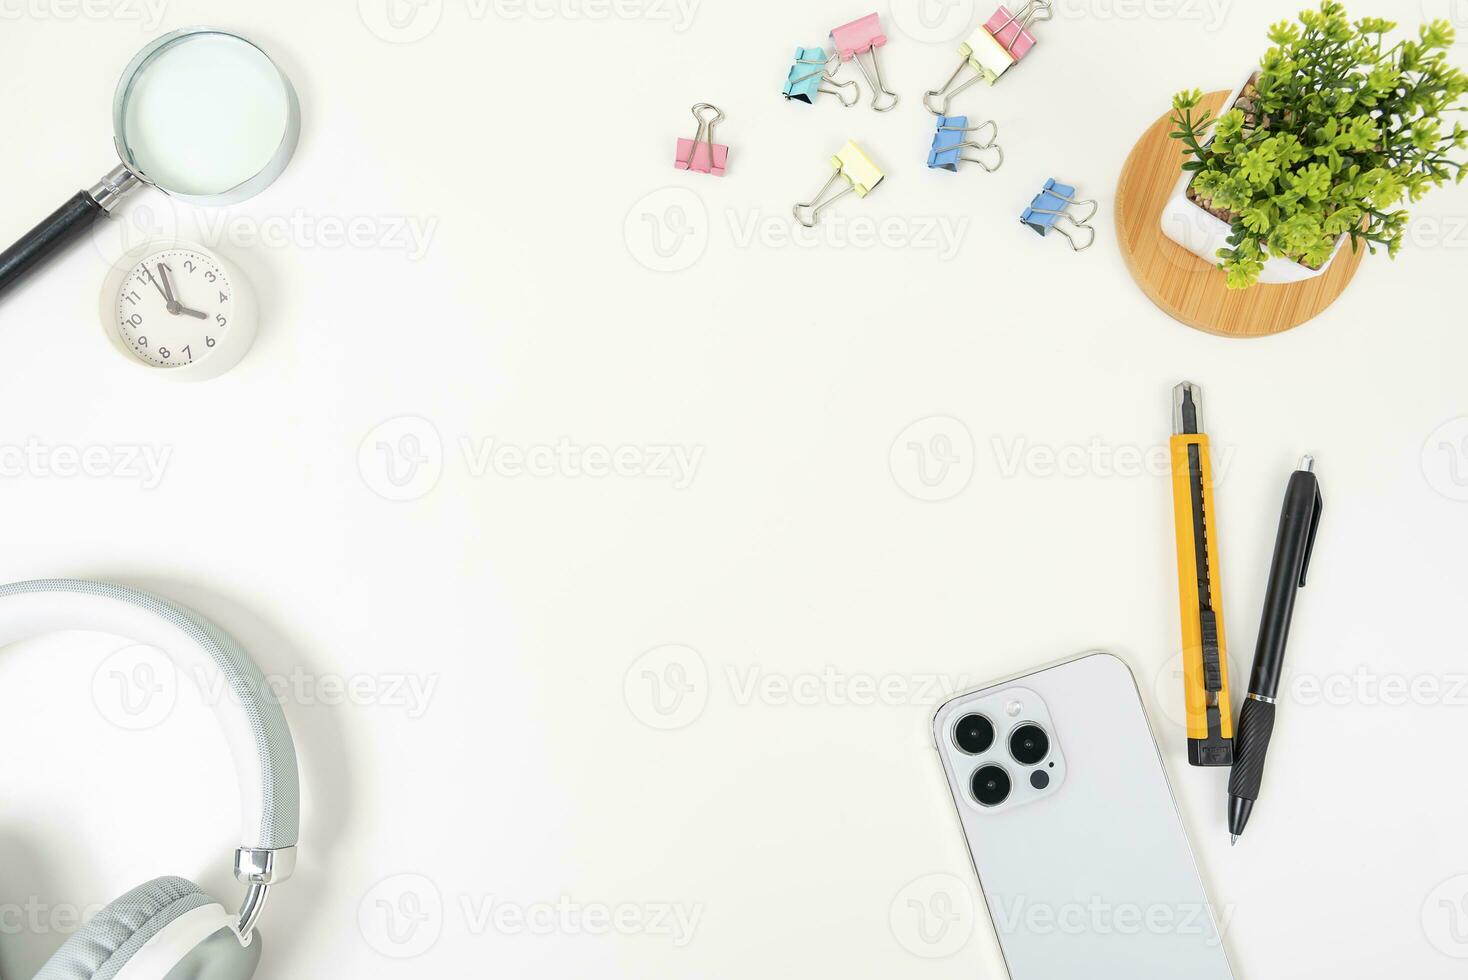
(202, 114)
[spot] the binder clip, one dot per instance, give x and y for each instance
(802, 84)
(858, 37)
(701, 154)
(1052, 206)
(991, 49)
(851, 165)
(952, 138)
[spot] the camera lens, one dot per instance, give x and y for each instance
(1029, 744)
(974, 734)
(991, 785)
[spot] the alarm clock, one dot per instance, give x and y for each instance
(179, 309)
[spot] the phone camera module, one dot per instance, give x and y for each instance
(991, 785)
(1029, 744)
(974, 734)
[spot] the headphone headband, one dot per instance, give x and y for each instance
(255, 727)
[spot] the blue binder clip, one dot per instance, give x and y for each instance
(952, 138)
(1051, 209)
(810, 74)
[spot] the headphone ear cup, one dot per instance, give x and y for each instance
(161, 924)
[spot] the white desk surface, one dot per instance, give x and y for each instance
(466, 672)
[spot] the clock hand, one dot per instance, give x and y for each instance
(159, 285)
(174, 306)
(188, 312)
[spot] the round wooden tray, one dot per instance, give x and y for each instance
(1192, 290)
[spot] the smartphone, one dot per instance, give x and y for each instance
(1073, 830)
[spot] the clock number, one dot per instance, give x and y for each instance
(133, 297)
(145, 274)
(189, 265)
(208, 341)
(223, 298)
(136, 319)
(163, 353)
(220, 318)
(209, 275)
(188, 354)
(142, 341)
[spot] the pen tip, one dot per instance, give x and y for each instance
(1233, 839)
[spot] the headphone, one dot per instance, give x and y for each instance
(170, 928)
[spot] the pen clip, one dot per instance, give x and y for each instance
(1316, 508)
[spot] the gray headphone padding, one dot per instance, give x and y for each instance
(103, 946)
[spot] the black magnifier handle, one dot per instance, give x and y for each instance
(63, 225)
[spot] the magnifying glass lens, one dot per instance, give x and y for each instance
(204, 114)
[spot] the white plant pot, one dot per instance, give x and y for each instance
(1203, 234)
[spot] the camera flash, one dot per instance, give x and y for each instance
(1013, 709)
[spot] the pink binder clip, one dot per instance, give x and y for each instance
(701, 154)
(1012, 30)
(859, 37)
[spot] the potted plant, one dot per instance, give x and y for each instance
(1318, 145)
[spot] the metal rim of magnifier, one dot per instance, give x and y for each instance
(245, 189)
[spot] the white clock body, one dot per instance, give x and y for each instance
(179, 309)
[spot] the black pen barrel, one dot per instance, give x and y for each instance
(1291, 547)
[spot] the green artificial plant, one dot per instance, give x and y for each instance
(1335, 129)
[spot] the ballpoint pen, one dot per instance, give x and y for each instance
(1298, 522)
(1205, 659)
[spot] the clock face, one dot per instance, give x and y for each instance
(174, 307)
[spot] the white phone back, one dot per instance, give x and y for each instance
(1091, 877)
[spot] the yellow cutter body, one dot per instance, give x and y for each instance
(1192, 615)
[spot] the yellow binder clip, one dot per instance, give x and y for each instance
(852, 165)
